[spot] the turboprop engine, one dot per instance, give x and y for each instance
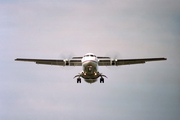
(113, 61)
(66, 62)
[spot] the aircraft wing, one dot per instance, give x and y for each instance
(52, 62)
(118, 62)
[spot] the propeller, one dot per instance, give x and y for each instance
(66, 56)
(113, 55)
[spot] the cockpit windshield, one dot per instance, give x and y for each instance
(90, 55)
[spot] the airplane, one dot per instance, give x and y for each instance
(90, 63)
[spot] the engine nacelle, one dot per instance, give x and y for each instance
(66, 62)
(113, 61)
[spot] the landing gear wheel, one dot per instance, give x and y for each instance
(101, 80)
(78, 80)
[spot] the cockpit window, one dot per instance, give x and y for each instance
(90, 55)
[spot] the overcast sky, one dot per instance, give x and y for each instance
(62, 28)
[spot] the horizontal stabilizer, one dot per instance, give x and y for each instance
(97, 57)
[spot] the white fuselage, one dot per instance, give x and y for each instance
(90, 68)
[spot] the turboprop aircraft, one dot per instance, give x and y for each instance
(90, 63)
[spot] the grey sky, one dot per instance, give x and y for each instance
(49, 29)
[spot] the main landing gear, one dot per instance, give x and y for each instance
(78, 80)
(89, 80)
(101, 80)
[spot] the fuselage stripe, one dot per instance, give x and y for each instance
(90, 61)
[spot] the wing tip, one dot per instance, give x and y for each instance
(18, 59)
